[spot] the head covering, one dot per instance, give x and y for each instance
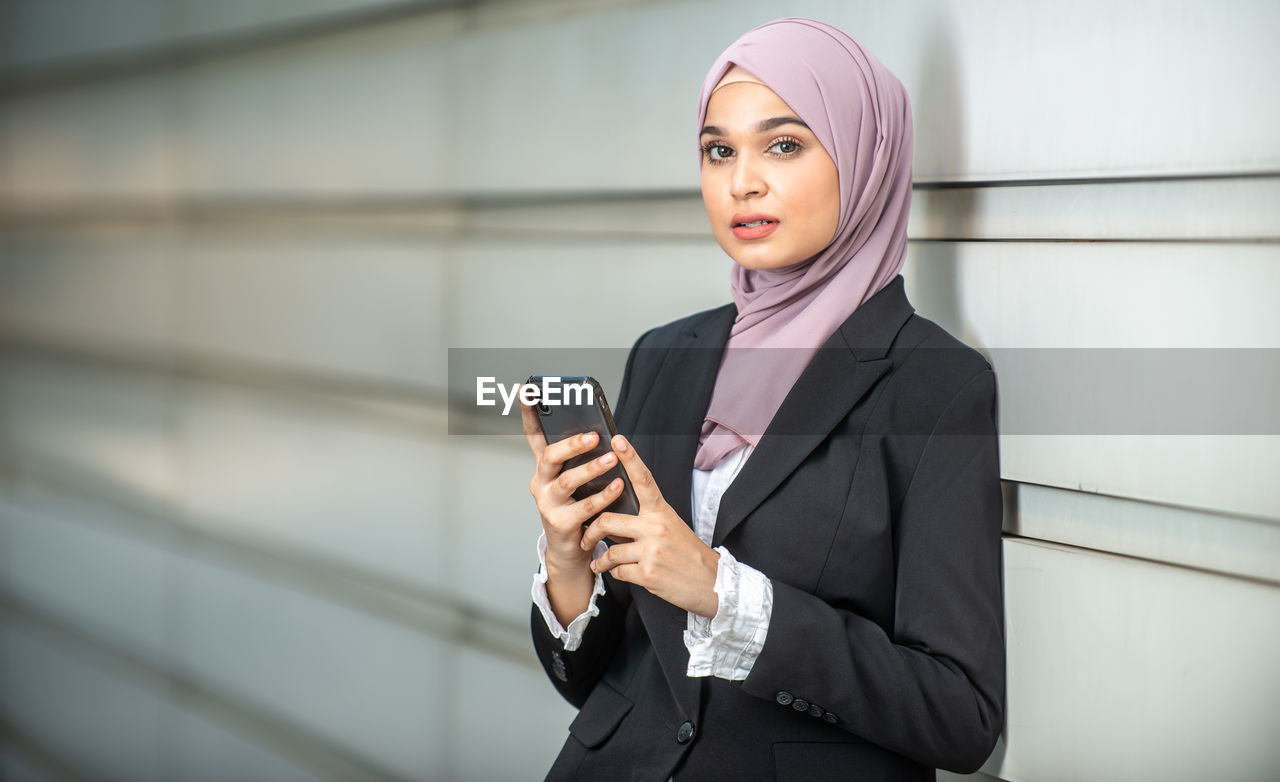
(861, 115)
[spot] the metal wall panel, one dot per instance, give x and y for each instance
(112, 287)
(114, 425)
(581, 294)
(115, 730)
(52, 32)
(367, 111)
(1128, 670)
(993, 101)
(1240, 545)
(366, 686)
(100, 141)
(61, 555)
(360, 307)
(337, 490)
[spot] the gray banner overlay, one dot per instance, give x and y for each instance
(1061, 391)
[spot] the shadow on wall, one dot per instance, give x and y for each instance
(938, 120)
(939, 131)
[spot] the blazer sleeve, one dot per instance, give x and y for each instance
(574, 674)
(934, 689)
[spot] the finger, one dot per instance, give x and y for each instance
(621, 554)
(567, 482)
(611, 524)
(532, 429)
(646, 488)
(590, 506)
(629, 572)
(556, 454)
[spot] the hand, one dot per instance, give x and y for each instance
(552, 490)
(662, 554)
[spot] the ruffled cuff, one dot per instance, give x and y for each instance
(572, 635)
(727, 644)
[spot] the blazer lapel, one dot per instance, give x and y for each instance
(840, 374)
(689, 371)
(688, 374)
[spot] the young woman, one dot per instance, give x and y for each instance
(811, 589)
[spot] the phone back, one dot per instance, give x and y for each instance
(561, 421)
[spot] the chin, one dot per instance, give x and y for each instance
(758, 262)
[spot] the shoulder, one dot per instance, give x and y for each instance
(652, 347)
(924, 345)
(931, 370)
(667, 334)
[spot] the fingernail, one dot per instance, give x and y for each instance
(615, 484)
(588, 438)
(593, 566)
(620, 443)
(583, 543)
(607, 458)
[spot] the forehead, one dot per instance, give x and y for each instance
(736, 73)
(744, 100)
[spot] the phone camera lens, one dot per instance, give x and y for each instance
(543, 409)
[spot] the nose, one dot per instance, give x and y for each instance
(747, 178)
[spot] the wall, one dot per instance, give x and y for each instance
(236, 538)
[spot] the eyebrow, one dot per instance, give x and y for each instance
(760, 127)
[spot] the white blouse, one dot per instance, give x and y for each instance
(725, 645)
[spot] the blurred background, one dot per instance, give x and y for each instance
(237, 540)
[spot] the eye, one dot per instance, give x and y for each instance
(715, 152)
(785, 147)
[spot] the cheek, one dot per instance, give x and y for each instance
(712, 199)
(824, 205)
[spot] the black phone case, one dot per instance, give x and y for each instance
(563, 421)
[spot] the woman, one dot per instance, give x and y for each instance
(811, 589)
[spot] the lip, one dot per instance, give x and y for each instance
(754, 232)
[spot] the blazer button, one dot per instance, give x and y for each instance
(684, 734)
(815, 710)
(785, 698)
(800, 704)
(829, 717)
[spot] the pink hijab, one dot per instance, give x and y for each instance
(862, 117)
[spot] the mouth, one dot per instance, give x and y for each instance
(753, 226)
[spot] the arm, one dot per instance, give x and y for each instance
(934, 690)
(572, 648)
(570, 632)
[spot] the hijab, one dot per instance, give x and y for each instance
(860, 113)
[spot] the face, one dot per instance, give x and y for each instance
(772, 192)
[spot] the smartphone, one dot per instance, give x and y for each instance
(581, 407)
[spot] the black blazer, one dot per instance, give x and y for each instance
(873, 504)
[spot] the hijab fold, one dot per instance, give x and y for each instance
(861, 115)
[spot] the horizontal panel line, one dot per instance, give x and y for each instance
(84, 70)
(1232, 515)
(403, 405)
(1247, 240)
(251, 204)
(1097, 179)
(252, 722)
(1077, 548)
